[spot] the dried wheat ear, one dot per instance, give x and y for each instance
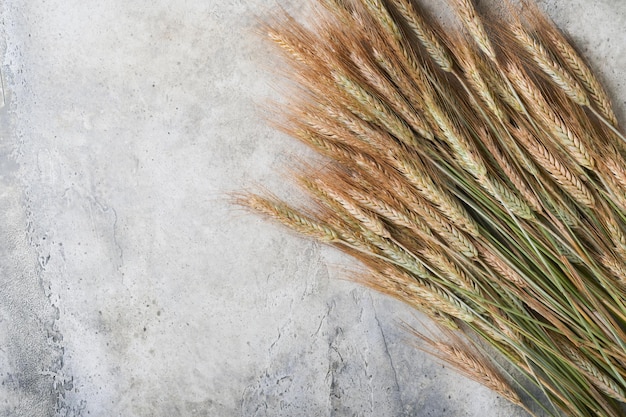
(478, 174)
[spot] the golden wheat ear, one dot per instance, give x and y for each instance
(429, 35)
(472, 22)
(450, 348)
(289, 216)
(479, 175)
(560, 47)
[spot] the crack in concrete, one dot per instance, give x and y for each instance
(106, 209)
(388, 354)
(334, 390)
(329, 307)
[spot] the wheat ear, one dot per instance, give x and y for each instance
(428, 37)
(465, 359)
(509, 171)
(370, 226)
(405, 192)
(599, 97)
(474, 25)
(599, 378)
(501, 267)
(551, 121)
(556, 42)
(616, 234)
(451, 270)
(396, 211)
(399, 103)
(380, 111)
(561, 174)
(416, 175)
(395, 41)
(365, 218)
(468, 62)
(316, 120)
(616, 268)
(290, 217)
(554, 71)
(613, 168)
(447, 203)
(469, 158)
(479, 370)
(433, 295)
(441, 225)
(292, 42)
(398, 289)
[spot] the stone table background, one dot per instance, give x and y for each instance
(129, 286)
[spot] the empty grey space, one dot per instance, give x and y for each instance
(130, 286)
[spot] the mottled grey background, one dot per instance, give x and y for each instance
(129, 286)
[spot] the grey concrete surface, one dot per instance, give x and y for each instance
(128, 284)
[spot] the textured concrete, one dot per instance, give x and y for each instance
(129, 286)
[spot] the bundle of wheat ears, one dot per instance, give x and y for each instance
(479, 174)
